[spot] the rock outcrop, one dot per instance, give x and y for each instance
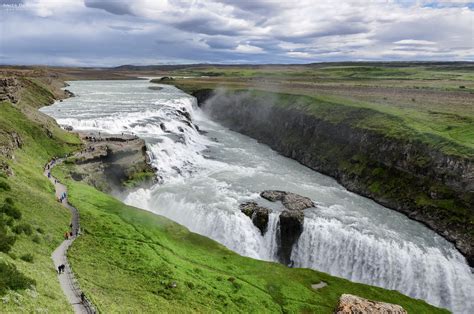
(68, 93)
(258, 214)
(9, 89)
(406, 175)
(113, 163)
(291, 227)
(290, 223)
(11, 142)
(351, 304)
(290, 200)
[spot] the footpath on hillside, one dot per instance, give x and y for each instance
(69, 285)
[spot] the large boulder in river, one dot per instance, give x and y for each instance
(349, 304)
(291, 227)
(290, 200)
(291, 220)
(258, 214)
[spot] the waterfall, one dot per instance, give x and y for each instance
(204, 178)
(423, 273)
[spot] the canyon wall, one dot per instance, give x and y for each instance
(404, 174)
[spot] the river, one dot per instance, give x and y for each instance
(206, 173)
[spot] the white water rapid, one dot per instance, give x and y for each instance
(206, 175)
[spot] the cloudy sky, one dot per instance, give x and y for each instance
(115, 32)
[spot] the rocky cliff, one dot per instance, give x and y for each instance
(407, 175)
(112, 163)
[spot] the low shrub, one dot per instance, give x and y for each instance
(12, 279)
(4, 186)
(23, 228)
(6, 241)
(36, 239)
(28, 257)
(9, 209)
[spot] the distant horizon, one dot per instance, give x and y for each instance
(241, 64)
(109, 33)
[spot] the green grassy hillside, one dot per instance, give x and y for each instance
(43, 221)
(129, 260)
(428, 103)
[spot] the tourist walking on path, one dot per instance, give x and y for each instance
(66, 279)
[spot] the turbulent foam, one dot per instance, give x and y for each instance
(425, 273)
(204, 181)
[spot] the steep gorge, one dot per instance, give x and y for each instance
(404, 174)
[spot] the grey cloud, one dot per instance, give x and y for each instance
(339, 29)
(205, 25)
(118, 7)
(123, 34)
(11, 2)
(263, 6)
(125, 28)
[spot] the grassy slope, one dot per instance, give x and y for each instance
(127, 259)
(426, 101)
(34, 196)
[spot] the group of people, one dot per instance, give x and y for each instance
(62, 197)
(88, 149)
(93, 138)
(68, 234)
(61, 268)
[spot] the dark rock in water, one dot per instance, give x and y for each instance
(294, 201)
(163, 127)
(189, 124)
(177, 170)
(273, 195)
(290, 200)
(185, 114)
(258, 214)
(291, 227)
(155, 87)
(69, 93)
(290, 221)
(202, 132)
(248, 208)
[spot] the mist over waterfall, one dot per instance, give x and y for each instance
(205, 171)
